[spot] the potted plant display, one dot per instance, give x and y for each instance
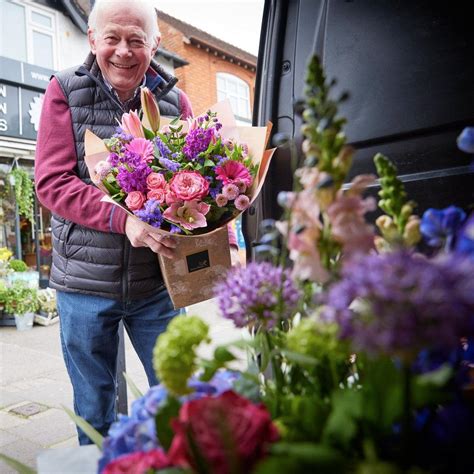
(22, 302)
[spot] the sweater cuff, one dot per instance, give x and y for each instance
(118, 218)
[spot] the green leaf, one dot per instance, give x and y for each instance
(301, 359)
(208, 162)
(149, 135)
(222, 354)
(88, 429)
(439, 377)
(166, 412)
(131, 385)
(17, 465)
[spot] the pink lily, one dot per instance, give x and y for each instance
(151, 112)
(189, 214)
(131, 124)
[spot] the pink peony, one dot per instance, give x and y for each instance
(242, 202)
(156, 181)
(231, 171)
(131, 124)
(189, 185)
(135, 200)
(142, 147)
(221, 200)
(157, 194)
(190, 214)
(230, 191)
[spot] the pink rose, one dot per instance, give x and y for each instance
(138, 462)
(189, 185)
(135, 200)
(155, 181)
(157, 194)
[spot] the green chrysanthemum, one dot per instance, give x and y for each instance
(174, 355)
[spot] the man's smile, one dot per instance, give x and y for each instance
(122, 66)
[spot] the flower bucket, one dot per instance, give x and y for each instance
(24, 322)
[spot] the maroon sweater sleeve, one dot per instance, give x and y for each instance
(58, 186)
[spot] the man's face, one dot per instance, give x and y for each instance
(123, 48)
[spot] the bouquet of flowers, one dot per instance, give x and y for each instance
(185, 178)
(362, 348)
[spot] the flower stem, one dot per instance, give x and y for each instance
(407, 415)
(276, 372)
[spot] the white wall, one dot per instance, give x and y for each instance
(73, 46)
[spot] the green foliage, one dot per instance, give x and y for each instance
(24, 191)
(17, 265)
(20, 299)
(17, 465)
(88, 429)
(167, 411)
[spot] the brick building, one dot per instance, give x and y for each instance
(216, 69)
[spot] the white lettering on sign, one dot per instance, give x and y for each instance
(3, 90)
(3, 107)
(3, 125)
(39, 76)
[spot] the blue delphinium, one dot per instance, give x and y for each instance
(439, 226)
(137, 432)
(466, 140)
(465, 239)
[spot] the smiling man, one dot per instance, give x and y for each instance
(104, 266)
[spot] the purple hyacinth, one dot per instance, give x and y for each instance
(259, 294)
(197, 141)
(137, 432)
(399, 303)
(165, 152)
(151, 214)
(133, 179)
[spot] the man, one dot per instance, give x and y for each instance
(104, 262)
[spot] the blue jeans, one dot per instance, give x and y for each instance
(89, 339)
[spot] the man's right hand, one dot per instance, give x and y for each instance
(141, 236)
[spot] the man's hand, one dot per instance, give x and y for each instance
(235, 256)
(140, 236)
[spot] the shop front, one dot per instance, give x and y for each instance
(24, 223)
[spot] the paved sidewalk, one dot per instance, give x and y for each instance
(34, 386)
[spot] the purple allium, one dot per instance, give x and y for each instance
(165, 152)
(137, 432)
(151, 214)
(400, 303)
(259, 294)
(134, 179)
(169, 164)
(439, 226)
(197, 141)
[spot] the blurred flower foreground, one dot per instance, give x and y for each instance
(361, 355)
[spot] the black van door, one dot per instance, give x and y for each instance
(409, 69)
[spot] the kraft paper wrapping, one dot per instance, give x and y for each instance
(202, 259)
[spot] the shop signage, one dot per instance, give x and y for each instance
(22, 88)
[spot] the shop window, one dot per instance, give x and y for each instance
(28, 33)
(238, 92)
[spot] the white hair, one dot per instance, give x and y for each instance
(142, 7)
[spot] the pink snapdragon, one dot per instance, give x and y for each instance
(135, 200)
(142, 147)
(132, 125)
(189, 185)
(189, 215)
(231, 171)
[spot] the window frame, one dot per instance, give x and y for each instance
(31, 26)
(238, 81)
